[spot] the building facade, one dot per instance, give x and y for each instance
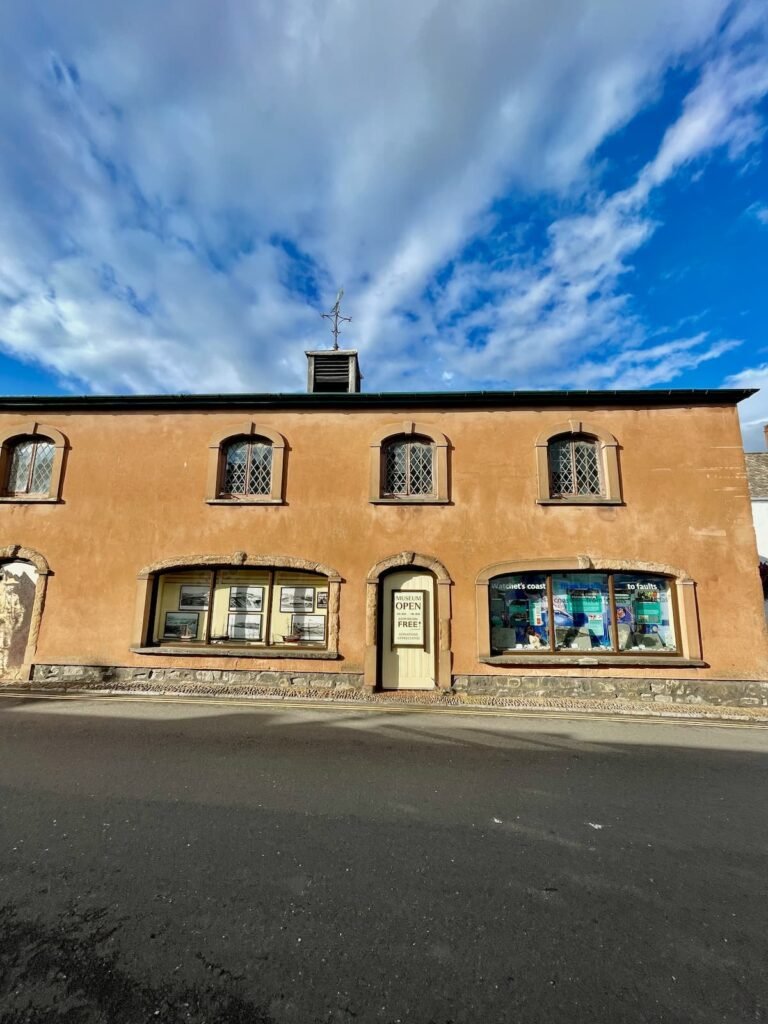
(485, 541)
(757, 479)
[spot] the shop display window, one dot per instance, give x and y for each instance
(519, 617)
(241, 607)
(644, 613)
(581, 611)
(568, 612)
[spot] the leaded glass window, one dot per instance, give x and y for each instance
(574, 467)
(247, 468)
(408, 468)
(31, 466)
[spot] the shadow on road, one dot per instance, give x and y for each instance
(284, 866)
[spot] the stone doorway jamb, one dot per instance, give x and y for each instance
(403, 560)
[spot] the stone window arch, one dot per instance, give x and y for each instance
(409, 465)
(577, 464)
(31, 463)
(246, 466)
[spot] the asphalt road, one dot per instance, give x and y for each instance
(198, 863)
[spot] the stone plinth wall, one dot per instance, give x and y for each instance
(736, 693)
(79, 676)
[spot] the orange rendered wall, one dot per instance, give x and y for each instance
(133, 493)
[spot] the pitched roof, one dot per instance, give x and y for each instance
(757, 474)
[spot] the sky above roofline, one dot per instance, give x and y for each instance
(571, 194)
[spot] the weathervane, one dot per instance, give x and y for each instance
(336, 317)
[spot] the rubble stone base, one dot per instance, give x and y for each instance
(730, 692)
(98, 676)
(733, 692)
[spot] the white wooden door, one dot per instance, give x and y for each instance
(407, 667)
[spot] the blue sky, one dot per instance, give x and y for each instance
(566, 194)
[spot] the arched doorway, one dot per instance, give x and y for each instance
(408, 623)
(408, 630)
(23, 576)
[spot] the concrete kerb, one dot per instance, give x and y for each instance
(445, 701)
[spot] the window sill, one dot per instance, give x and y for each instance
(244, 501)
(594, 660)
(220, 651)
(32, 499)
(579, 501)
(410, 500)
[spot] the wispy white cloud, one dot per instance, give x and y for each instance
(561, 313)
(179, 190)
(759, 211)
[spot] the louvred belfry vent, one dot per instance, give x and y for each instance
(335, 371)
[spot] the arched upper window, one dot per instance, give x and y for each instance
(409, 467)
(30, 466)
(247, 467)
(31, 462)
(409, 463)
(578, 463)
(574, 466)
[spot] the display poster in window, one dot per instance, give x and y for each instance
(181, 625)
(648, 612)
(535, 614)
(624, 616)
(561, 605)
(309, 628)
(297, 599)
(408, 615)
(587, 603)
(596, 623)
(192, 598)
(517, 611)
(246, 599)
(244, 626)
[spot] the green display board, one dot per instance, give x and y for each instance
(648, 612)
(517, 611)
(595, 623)
(587, 603)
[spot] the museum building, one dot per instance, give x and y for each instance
(489, 541)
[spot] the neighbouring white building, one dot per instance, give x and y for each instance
(757, 475)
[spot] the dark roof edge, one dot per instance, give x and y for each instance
(382, 400)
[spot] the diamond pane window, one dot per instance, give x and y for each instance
(421, 468)
(247, 468)
(395, 472)
(31, 466)
(408, 468)
(574, 468)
